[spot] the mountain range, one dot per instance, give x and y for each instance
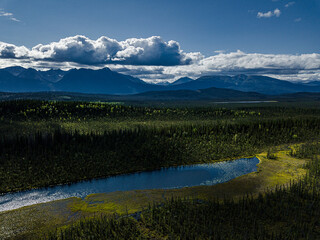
(106, 81)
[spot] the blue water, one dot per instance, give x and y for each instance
(166, 178)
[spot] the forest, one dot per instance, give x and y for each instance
(287, 212)
(59, 155)
(45, 143)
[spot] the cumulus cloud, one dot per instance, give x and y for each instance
(104, 50)
(283, 66)
(12, 51)
(154, 60)
(241, 60)
(8, 15)
(301, 67)
(269, 14)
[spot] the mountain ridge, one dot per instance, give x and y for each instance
(106, 81)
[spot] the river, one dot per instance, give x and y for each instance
(166, 178)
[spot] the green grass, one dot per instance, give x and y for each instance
(270, 174)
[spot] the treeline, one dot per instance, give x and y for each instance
(39, 110)
(46, 159)
(286, 213)
(290, 212)
(306, 150)
(102, 228)
(65, 111)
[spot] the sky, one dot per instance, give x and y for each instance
(164, 40)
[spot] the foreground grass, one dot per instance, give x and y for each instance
(271, 173)
(29, 222)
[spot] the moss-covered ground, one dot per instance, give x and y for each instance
(30, 222)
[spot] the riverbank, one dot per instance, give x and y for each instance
(30, 221)
(271, 172)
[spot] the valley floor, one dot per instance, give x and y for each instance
(46, 143)
(32, 221)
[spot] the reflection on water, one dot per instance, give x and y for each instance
(173, 177)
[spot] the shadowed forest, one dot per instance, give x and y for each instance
(46, 143)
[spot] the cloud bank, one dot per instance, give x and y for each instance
(104, 50)
(303, 67)
(153, 60)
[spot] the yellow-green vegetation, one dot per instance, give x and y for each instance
(31, 221)
(48, 143)
(27, 116)
(285, 212)
(40, 218)
(43, 159)
(271, 173)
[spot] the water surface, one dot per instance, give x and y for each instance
(166, 178)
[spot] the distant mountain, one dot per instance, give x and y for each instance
(182, 96)
(260, 84)
(106, 81)
(177, 82)
(164, 83)
(201, 94)
(212, 94)
(15, 71)
(53, 75)
(101, 81)
(300, 96)
(313, 84)
(30, 73)
(11, 83)
(182, 80)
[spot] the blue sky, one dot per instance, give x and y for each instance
(266, 27)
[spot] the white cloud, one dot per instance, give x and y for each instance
(8, 15)
(269, 14)
(153, 59)
(277, 12)
(15, 19)
(219, 51)
(302, 67)
(240, 60)
(82, 50)
(289, 4)
(12, 51)
(4, 14)
(265, 15)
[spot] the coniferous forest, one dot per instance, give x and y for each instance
(46, 143)
(290, 212)
(54, 155)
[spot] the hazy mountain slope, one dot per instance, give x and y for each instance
(15, 71)
(30, 73)
(201, 94)
(313, 84)
(261, 84)
(11, 83)
(105, 81)
(101, 81)
(182, 80)
(205, 95)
